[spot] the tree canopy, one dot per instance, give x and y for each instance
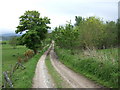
(91, 32)
(35, 28)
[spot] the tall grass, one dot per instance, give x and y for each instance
(98, 65)
(109, 55)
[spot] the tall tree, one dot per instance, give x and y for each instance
(66, 36)
(35, 28)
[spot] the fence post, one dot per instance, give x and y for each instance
(7, 79)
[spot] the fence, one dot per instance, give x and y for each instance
(7, 77)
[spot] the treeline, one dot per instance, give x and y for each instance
(86, 33)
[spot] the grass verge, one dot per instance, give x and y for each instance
(104, 72)
(54, 74)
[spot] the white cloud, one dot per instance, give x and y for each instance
(59, 11)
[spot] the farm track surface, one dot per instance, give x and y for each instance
(42, 79)
(74, 79)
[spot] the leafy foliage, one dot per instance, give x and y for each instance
(89, 32)
(35, 28)
(66, 36)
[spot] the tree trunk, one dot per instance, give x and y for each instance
(35, 51)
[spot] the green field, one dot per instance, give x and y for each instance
(10, 55)
(21, 78)
(98, 65)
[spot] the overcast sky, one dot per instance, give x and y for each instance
(59, 11)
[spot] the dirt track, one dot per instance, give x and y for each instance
(42, 79)
(74, 79)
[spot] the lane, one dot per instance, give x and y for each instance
(74, 79)
(42, 79)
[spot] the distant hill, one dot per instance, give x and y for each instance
(11, 34)
(8, 36)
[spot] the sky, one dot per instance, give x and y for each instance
(59, 11)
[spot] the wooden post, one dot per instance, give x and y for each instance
(7, 79)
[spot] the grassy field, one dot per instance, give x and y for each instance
(21, 78)
(98, 65)
(10, 55)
